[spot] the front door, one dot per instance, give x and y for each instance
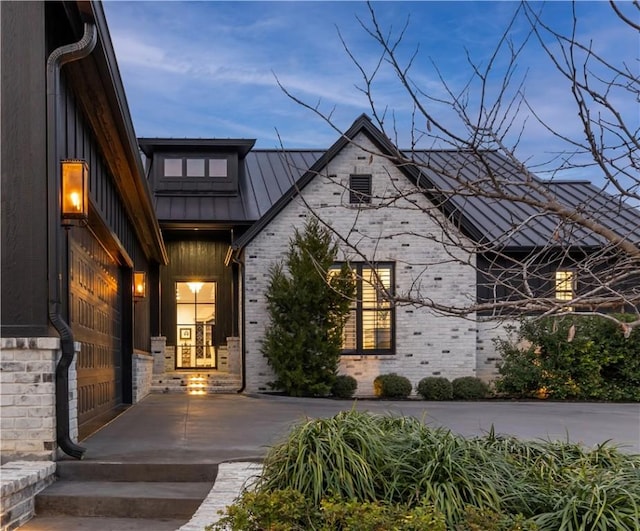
(196, 319)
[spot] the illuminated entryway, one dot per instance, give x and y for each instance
(196, 319)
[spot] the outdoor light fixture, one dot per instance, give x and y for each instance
(139, 284)
(195, 287)
(75, 179)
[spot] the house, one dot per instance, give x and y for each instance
(160, 282)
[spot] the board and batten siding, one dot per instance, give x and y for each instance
(198, 258)
(426, 344)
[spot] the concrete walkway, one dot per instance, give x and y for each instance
(227, 428)
(217, 428)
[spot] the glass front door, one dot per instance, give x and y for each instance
(196, 320)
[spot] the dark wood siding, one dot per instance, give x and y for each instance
(95, 301)
(198, 258)
(23, 222)
(80, 143)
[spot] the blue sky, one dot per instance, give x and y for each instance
(207, 69)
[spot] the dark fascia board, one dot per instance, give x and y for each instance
(241, 146)
(387, 148)
(133, 186)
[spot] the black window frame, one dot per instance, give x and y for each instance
(206, 184)
(360, 308)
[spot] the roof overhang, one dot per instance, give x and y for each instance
(241, 146)
(100, 93)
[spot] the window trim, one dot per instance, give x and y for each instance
(360, 309)
(185, 163)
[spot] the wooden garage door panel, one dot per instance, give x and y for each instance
(95, 305)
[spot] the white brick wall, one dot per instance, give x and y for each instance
(142, 375)
(488, 357)
(426, 344)
(20, 482)
(27, 398)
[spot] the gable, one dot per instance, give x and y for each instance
(376, 142)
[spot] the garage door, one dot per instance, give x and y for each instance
(95, 307)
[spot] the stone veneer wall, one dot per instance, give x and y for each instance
(142, 375)
(426, 344)
(20, 482)
(27, 398)
(158, 347)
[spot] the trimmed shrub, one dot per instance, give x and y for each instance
(344, 386)
(469, 388)
(392, 386)
(435, 388)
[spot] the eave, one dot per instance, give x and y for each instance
(102, 98)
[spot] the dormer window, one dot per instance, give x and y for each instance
(196, 167)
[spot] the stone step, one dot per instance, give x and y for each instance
(134, 472)
(196, 383)
(101, 523)
(116, 499)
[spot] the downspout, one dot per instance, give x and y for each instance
(243, 328)
(56, 60)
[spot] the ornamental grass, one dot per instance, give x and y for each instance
(357, 460)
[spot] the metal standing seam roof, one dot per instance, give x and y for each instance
(265, 175)
(268, 179)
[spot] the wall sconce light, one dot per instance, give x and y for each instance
(139, 284)
(75, 179)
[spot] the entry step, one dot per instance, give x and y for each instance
(141, 499)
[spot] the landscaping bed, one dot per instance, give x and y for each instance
(359, 471)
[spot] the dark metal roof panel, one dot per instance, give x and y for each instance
(267, 176)
(263, 179)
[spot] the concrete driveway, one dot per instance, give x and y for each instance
(173, 428)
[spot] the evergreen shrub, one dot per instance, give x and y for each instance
(392, 386)
(435, 388)
(344, 386)
(469, 388)
(308, 304)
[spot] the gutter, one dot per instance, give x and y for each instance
(56, 60)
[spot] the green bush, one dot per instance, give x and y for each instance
(435, 388)
(363, 471)
(469, 388)
(392, 386)
(344, 386)
(287, 510)
(581, 357)
(308, 307)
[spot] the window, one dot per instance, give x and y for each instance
(359, 189)
(217, 167)
(173, 167)
(565, 285)
(195, 321)
(369, 329)
(196, 167)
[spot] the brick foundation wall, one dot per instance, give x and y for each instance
(426, 344)
(27, 398)
(142, 375)
(20, 482)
